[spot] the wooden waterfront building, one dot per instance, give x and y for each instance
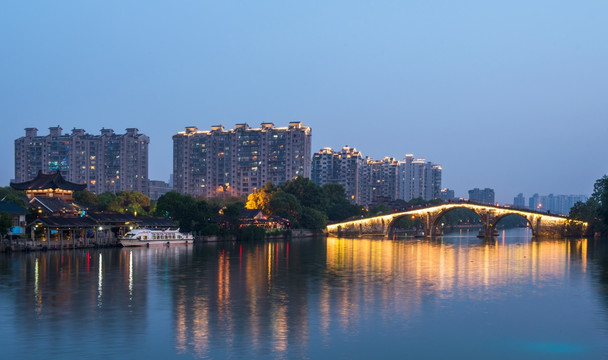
(60, 232)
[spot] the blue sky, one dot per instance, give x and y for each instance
(509, 95)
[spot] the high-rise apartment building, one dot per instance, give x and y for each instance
(367, 180)
(240, 160)
(158, 188)
(419, 179)
(107, 162)
(557, 204)
(484, 196)
(345, 167)
(447, 195)
(383, 184)
(519, 201)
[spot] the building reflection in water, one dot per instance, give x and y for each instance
(275, 299)
(257, 303)
(265, 303)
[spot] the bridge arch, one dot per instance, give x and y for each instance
(501, 217)
(418, 221)
(436, 220)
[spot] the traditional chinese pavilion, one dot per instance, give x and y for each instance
(49, 185)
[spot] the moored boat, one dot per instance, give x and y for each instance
(147, 237)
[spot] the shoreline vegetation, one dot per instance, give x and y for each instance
(299, 208)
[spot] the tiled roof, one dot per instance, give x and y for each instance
(112, 217)
(66, 222)
(48, 181)
(12, 208)
(53, 205)
(88, 222)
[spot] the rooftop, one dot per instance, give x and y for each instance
(48, 181)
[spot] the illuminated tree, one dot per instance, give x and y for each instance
(260, 199)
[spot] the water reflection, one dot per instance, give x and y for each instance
(303, 298)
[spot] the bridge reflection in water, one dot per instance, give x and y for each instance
(292, 299)
(283, 309)
(445, 268)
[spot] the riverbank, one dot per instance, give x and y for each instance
(6, 247)
(16, 245)
(286, 234)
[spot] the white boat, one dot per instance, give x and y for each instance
(147, 237)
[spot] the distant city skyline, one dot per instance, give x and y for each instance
(504, 96)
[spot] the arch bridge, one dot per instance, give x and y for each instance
(542, 224)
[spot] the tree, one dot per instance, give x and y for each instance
(260, 199)
(405, 222)
(595, 210)
(600, 195)
(286, 205)
(307, 192)
(188, 213)
(7, 193)
(86, 197)
(232, 214)
(377, 210)
(312, 219)
(6, 222)
(338, 206)
(179, 208)
(132, 202)
(105, 199)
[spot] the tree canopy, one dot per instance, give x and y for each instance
(6, 222)
(595, 210)
(132, 202)
(304, 203)
(7, 193)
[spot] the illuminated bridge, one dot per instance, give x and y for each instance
(542, 224)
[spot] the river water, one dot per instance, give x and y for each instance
(452, 297)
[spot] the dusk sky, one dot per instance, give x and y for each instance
(510, 95)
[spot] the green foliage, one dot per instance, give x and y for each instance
(296, 200)
(7, 193)
(338, 206)
(595, 210)
(512, 221)
(600, 195)
(405, 222)
(250, 233)
(461, 216)
(588, 212)
(6, 222)
(308, 193)
(86, 197)
(378, 209)
(418, 201)
(285, 205)
(232, 213)
(312, 219)
(188, 213)
(132, 202)
(221, 201)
